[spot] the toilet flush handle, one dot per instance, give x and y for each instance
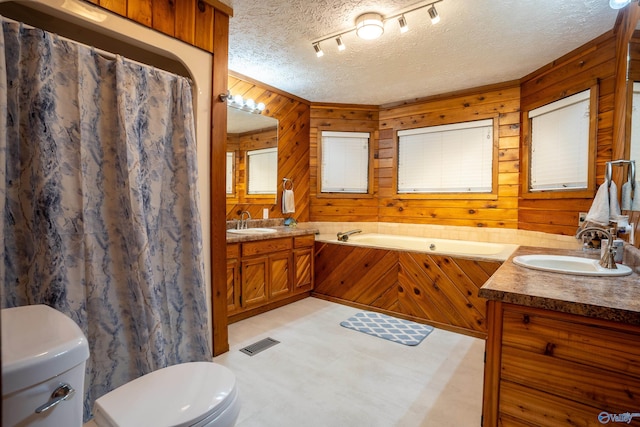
(64, 392)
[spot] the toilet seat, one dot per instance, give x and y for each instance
(184, 395)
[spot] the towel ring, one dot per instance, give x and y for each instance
(286, 181)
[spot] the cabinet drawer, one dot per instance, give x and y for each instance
(266, 246)
(303, 241)
(233, 250)
(602, 346)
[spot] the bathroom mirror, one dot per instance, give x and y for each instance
(252, 153)
(633, 98)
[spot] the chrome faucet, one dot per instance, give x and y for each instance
(343, 237)
(607, 260)
(242, 224)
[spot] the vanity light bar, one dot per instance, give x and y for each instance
(242, 104)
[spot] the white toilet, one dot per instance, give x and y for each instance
(43, 361)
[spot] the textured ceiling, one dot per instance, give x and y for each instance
(476, 43)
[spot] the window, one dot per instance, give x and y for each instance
(560, 140)
(230, 170)
(345, 162)
(262, 168)
(455, 158)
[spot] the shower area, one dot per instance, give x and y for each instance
(103, 184)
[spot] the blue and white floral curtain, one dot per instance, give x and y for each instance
(99, 201)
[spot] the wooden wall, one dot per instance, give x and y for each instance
(501, 102)
(343, 118)
(293, 147)
(191, 21)
(591, 64)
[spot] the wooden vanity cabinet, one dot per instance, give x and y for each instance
(545, 368)
(265, 274)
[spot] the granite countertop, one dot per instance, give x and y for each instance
(281, 231)
(613, 298)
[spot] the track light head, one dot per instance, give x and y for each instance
(341, 45)
(433, 14)
(402, 21)
(319, 52)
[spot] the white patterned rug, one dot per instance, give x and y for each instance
(387, 327)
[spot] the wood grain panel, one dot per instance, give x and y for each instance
(279, 274)
(254, 281)
(435, 289)
(293, 148)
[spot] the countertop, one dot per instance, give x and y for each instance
(615, 298)
(281, 231)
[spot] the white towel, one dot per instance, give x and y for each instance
(599, 211)
(635, 204)
(288, 202)
(625, 196)
(614, 204)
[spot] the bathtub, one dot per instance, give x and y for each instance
(464, 248)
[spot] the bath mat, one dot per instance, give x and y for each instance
(387, 327)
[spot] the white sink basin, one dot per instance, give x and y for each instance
(569, 265)
(256, 230)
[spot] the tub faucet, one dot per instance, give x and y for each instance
(343, 237)
(242, 224)
(607, 260)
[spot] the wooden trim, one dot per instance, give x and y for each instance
(525, 154)
(445, 96)
(220, 7)
(491, 392)
(220, 337)
(495, 158)
(370, 172)
(266, 87)
(267, 307)
(439, 325)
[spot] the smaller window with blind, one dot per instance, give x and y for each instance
(560, 140)
(345, 162)
(230, 172)
(453, 158)
(262, 171)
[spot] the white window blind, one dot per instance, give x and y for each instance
(230, 163)
(560, 144)
(345, 162)
(456, 158)
(262, 168)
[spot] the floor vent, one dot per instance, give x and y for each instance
(259, 346)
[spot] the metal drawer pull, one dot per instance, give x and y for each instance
(64, 392)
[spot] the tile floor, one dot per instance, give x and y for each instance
(322, 374)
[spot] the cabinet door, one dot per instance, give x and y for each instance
(279, 275)
(303, 270)
(254, 281)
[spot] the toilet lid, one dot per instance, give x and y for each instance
(176, 396)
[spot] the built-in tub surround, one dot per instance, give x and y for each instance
(485, 250)
(492, 235)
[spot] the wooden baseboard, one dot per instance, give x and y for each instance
(438, 325)
(262, 309)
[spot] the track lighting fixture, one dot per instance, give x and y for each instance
(370, 25)
(402, 21)
(433, 14)
(241, 104)
(319, 52)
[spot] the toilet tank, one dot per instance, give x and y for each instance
(44, 354)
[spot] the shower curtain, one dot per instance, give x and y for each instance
(99, 201)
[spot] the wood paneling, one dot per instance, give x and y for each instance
(191, 21)
(293, 147)
(436, 289)
(385, 204)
